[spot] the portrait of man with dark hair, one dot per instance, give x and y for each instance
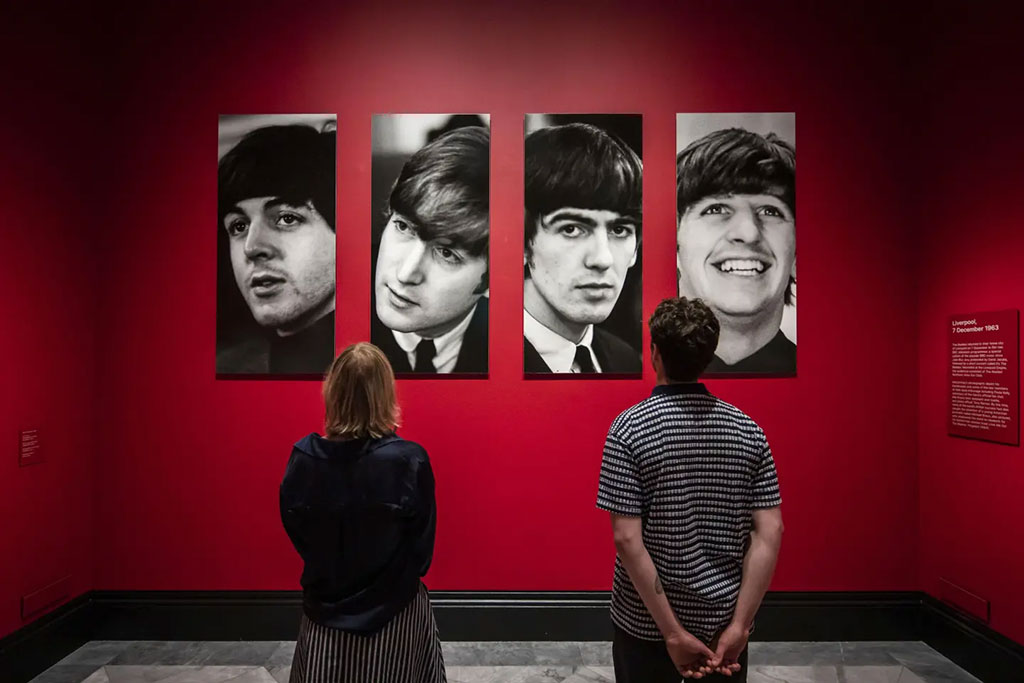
(276, 245)
(431, 242)
(582, 230)
(736, 235)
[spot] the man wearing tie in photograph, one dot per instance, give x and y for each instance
(736, 248)
(582, 232)
(431, 279)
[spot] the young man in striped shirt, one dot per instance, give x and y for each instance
(691, 486)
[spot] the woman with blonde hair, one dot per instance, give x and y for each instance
(358, 505)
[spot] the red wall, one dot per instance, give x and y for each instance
(160, 477)
(971, 502)
(190, 465)
(48, 281)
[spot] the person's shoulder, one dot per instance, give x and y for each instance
(532, 361)
(473, 354)
(313, 447)
(394, 446)
(737, 418)
(383, 337)
(643, 411)
(403, 456)
(307, 444)
(478, 323)
(245, 356)
(615, 353)
(482, 305)
(624, 421)
(305, 459)
(610, 340)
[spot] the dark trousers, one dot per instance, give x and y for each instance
(647, 661)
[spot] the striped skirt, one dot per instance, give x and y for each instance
(406, 650)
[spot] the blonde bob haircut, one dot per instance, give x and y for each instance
(359, 394)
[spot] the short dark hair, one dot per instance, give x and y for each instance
(736, 161)
(686, 334)
(295, 163)
(581, 166)
(444, 189)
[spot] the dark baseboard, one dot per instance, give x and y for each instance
(584, 616)
(511, 615)
(969, 643)
(515, 615)
(49, 639)
(838, 616)
(482, 616)
(196, 615)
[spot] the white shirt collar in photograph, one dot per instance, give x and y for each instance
(446, 347)
(557, 352)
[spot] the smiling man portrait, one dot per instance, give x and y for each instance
(583, 219)
(277, 245)
(736, 244)
(430, 280)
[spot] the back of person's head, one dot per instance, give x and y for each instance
(686, 334)
(444, 189)
(295, 163)
(359, 394)
(735, 161)
(580, 166)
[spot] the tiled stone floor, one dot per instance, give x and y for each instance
(270, 662)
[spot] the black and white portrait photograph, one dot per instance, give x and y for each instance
(275, 244)
(582, 287)
(431, 242)
(736, 235)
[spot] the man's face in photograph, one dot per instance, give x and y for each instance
(283, 259)
(578, 260)
(426, 287)
(737, 253)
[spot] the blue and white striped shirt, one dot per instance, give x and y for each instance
(694, 468)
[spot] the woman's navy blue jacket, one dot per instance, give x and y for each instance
(361, 514)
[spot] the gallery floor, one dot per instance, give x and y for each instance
(269, 662)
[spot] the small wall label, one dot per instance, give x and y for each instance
(29, 451)
(984, 376)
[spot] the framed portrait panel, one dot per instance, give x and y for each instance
(582, 261)
(275, 245)
(431, 243)
(736, 235)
